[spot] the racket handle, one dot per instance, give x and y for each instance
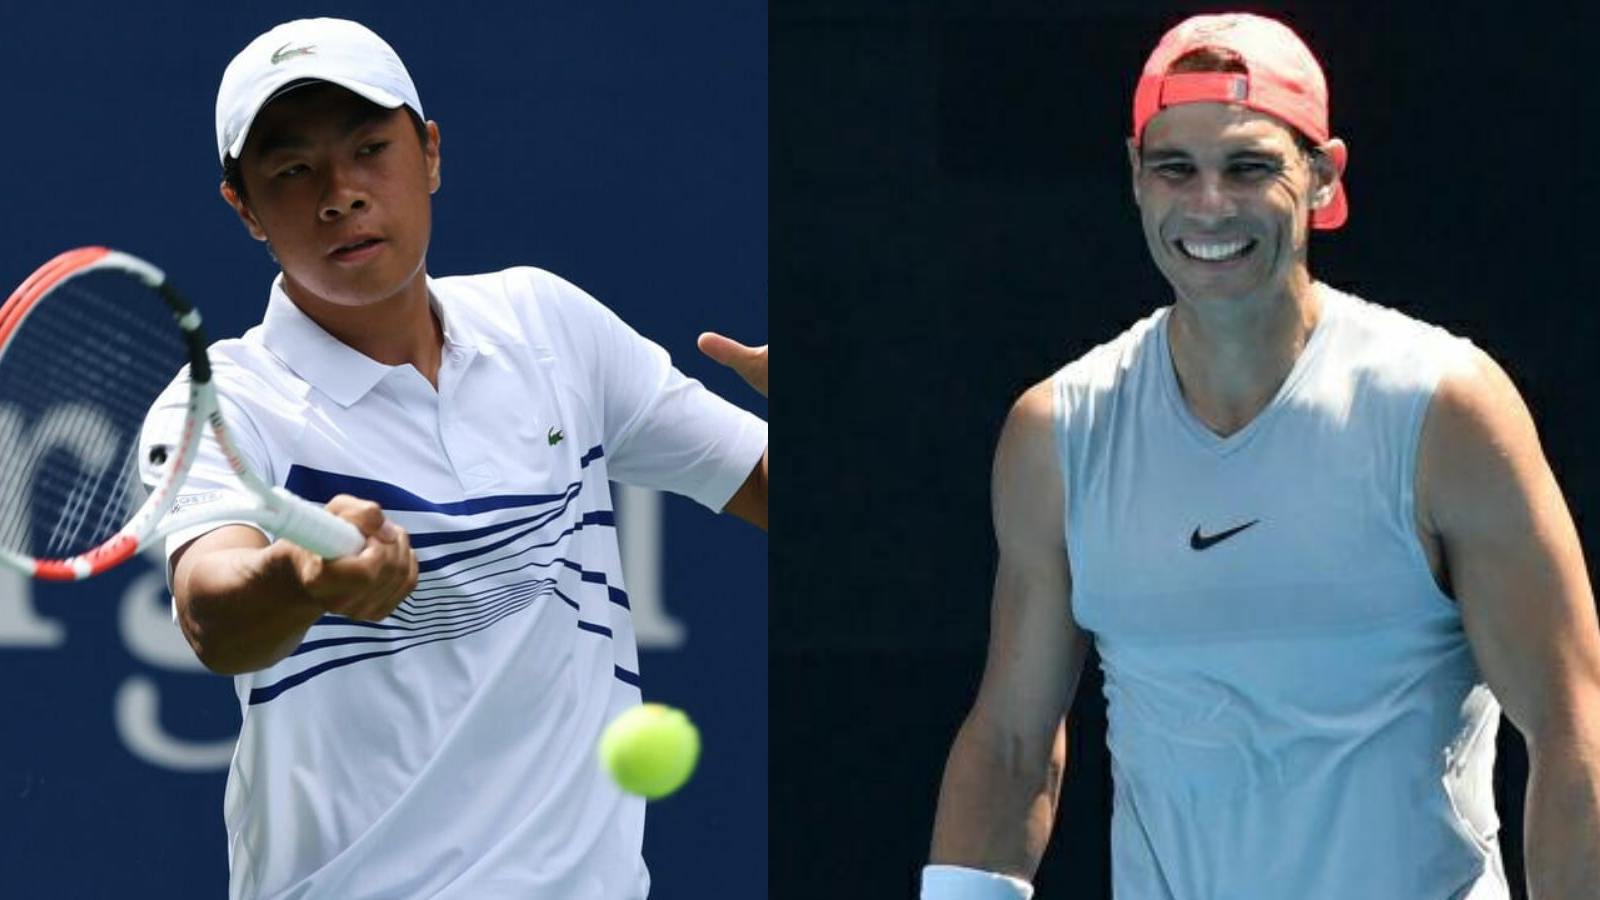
(314, 528)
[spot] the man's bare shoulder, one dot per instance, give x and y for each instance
(1027, 474)
(1474, 387)
(1034, 409)
(1028, 437)
(1478, 443)
(1475, 401)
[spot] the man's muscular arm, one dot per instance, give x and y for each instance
(1487, 494)
(997, 803)
(244, 604)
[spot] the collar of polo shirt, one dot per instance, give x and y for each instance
(333, 367)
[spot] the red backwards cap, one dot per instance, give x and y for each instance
(1284, 80)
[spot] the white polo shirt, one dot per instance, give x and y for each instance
(449, 750)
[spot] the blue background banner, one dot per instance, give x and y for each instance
(622, 146)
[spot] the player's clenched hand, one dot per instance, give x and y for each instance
(371, 583)
(749, 362)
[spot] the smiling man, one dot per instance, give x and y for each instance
(1314, 541)
(420, 718)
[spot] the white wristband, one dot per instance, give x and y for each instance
(961, 883)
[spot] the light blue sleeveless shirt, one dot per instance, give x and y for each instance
(1294, 710)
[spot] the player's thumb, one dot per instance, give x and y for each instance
(724, 350)
(749, 362)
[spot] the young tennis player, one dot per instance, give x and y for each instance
(420, 718)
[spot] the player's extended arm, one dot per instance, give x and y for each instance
(749, 502)
(998, 799)
(244, 604)
(1516, 568)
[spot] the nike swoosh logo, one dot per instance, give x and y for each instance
(1198, 541)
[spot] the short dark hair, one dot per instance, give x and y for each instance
(1221, 59)
(234, 178)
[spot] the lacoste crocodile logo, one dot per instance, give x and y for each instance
(555, 436)
(283, 53)
(1198, 541)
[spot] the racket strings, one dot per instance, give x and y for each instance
(73, 476)
(77, 378)
(107, 451)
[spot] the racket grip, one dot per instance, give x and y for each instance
(314, 528)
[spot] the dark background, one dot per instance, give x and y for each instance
(620, 145)
(952, 222)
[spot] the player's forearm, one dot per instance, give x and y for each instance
(997, 802)
(246, 608)
(749, 502)
(765, 488)
(1563, 817)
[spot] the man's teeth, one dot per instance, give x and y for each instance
(1216, 250)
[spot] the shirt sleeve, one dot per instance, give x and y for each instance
(661, 429)
(211, 479)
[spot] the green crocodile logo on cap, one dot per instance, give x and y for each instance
(283, 53)
(555, 436)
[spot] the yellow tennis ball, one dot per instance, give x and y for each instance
(650, 750)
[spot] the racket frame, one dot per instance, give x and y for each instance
(275, 509)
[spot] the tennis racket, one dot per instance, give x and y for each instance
(87, 344)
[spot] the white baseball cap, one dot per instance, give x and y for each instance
(333, 50)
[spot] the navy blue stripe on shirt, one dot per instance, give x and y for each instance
(603, 517)
(415, 616)
(453, 580)
(320, 486)
(265, 694)
(415, 610)
(505, 607)
(433, 564)
(444, 607)
(272, 691)
(421, 539)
